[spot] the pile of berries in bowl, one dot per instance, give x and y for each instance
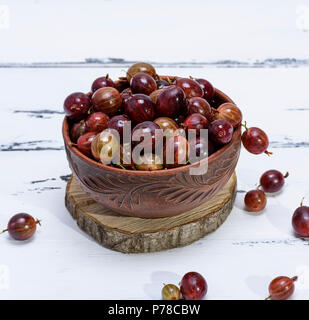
(128, 140)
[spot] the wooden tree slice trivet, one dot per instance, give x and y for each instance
(137, 235)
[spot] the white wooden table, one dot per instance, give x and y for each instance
(61, 262)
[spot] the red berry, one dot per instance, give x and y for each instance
(171, 102)
(272, 180)
(107, 100)
(281, 288)
(166, 123)
(196, 122)
(190, 87)
(126, 160)
(84, 143)
(97, 122)
(141, 67)
(155, 94)
(143, 83)
(126, 94)
(300, 221)
(101, 83)
(180, 119)
(77, 130)
(117, 123)
(105, 146)
(200, 105)
(140, 108)
(176, 152)
(22, 226)
(149, 162)
(255, 140)
(193, 286)
(255, 200)
(76, 106)
(220, 131)
(231, 113)
(208, 89)
(201, 147)
(152, 129)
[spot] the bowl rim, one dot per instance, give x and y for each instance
(69, 144)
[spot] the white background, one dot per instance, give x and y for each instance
(243, 255)
(176, 30)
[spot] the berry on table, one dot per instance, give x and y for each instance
(255, 200)
(272, 180)
(22, 226)
(193, 286)
(281, 288)
(300, 220)
(255, 140)
(170, 292)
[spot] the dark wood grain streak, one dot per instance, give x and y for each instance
(122, 63)
(32, 146)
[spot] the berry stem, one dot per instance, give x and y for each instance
(38, 222)
(245, 125)
(302, 201)
(295, 278)
(89, 111)
(4, 231)
(121, 166)
(286, 175)
(268, 153)
(129, 74)
(268, 297)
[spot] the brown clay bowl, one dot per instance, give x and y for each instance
(154, 194)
